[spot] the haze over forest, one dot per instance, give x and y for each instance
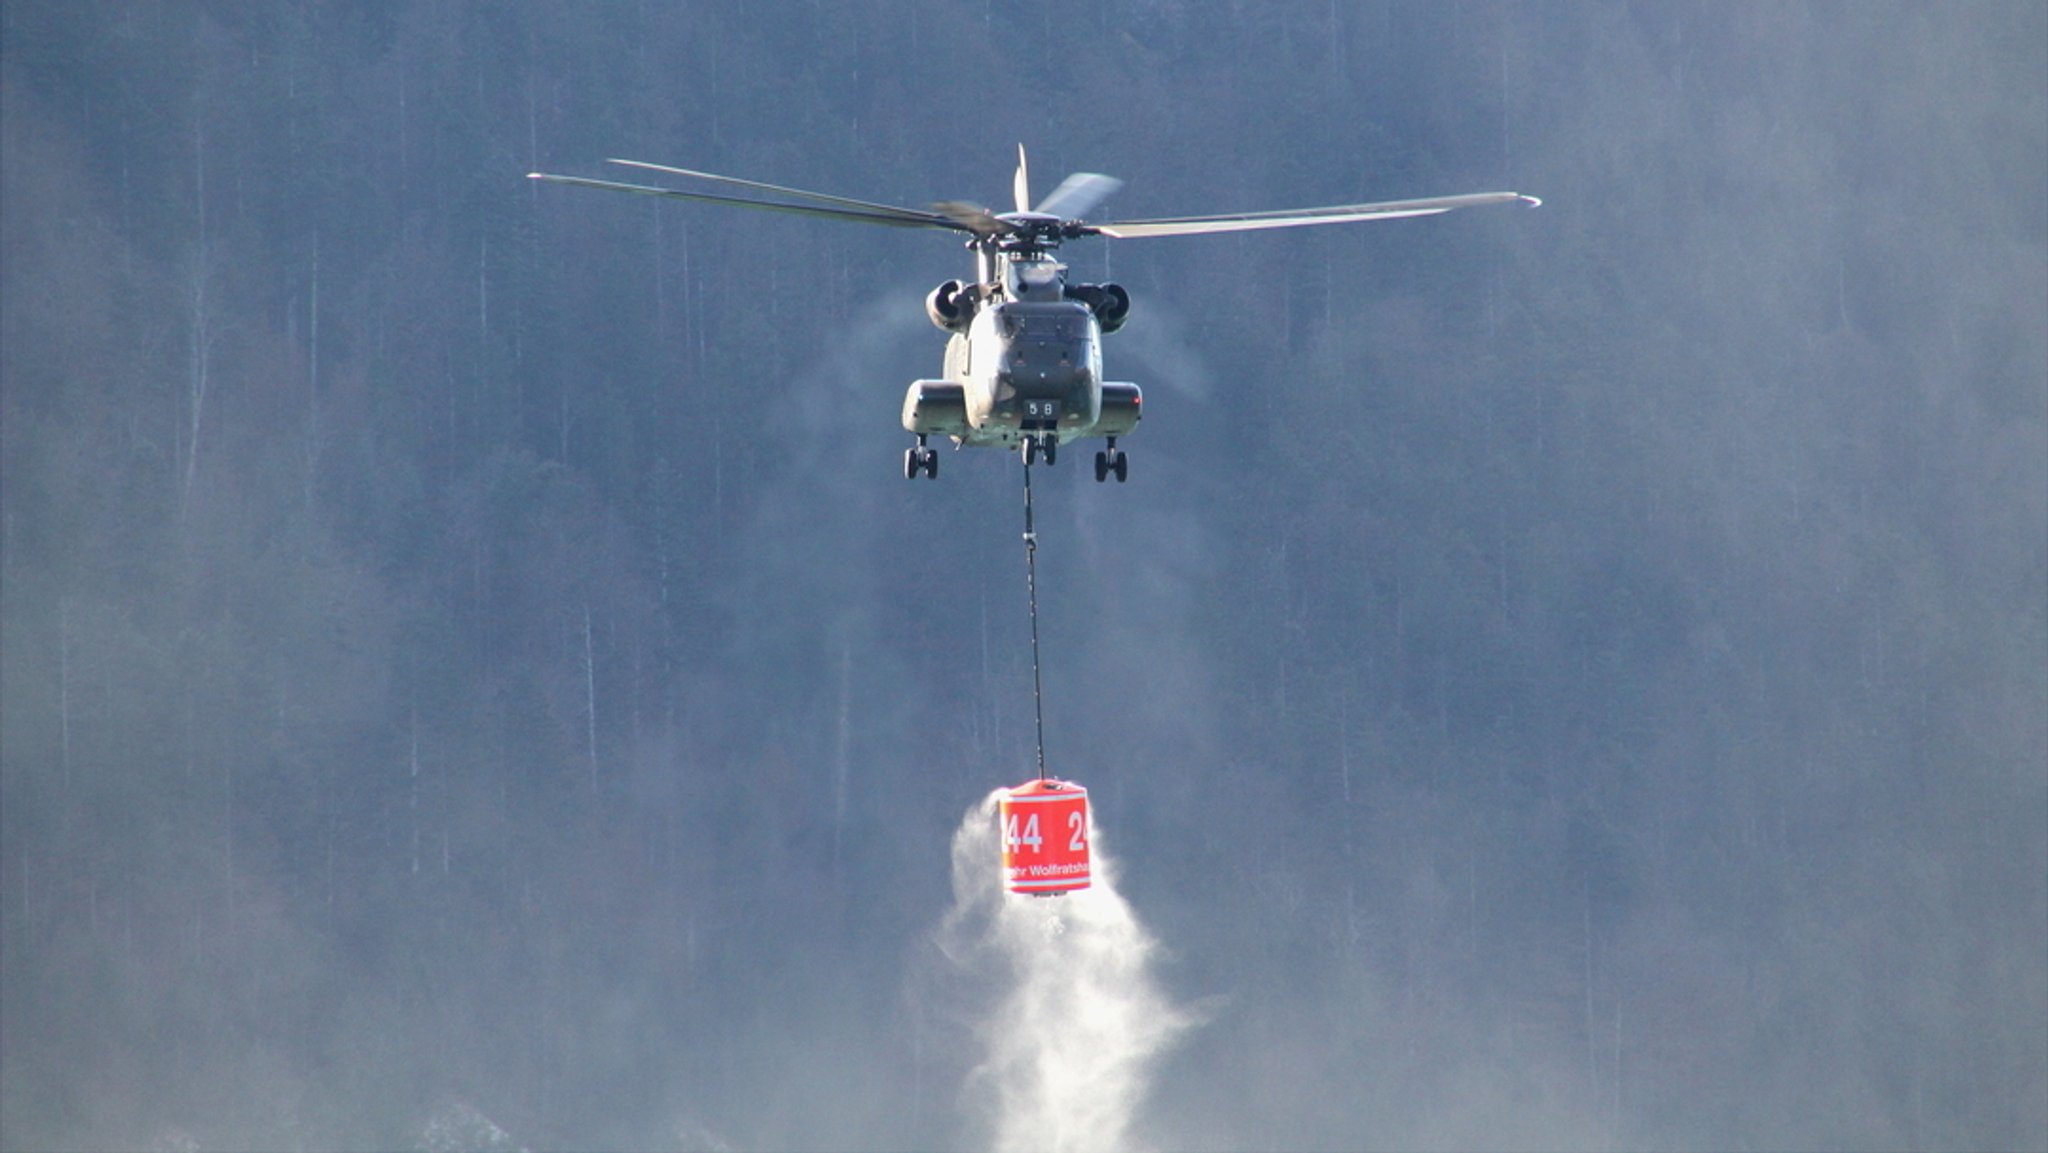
(471, 668)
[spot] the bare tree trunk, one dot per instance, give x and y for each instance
(228, 820)
(562, 426)
(1350, 819)
(478, 377)
(64, 690)
(198, 373)
(414, 801)
(1592, 1045)
(483, 291)
(1614, 1073)
(312, 446)
(590, 697)
(332, 821)
(200, 345)
(842, 750)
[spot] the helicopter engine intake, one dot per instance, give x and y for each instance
(951, 306)
(1109, 302)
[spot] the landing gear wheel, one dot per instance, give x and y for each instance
(912, 461)
(1112, 460)
(1029, 450)
(1050, 445)
(931, 463)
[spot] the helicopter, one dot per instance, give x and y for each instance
(1023, 362)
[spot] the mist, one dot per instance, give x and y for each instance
(472, 672)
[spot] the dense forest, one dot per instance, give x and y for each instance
(472, 672)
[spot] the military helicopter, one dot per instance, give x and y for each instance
(1023, 366)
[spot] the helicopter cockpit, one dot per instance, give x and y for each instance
(1034, 279)
(1047, 349)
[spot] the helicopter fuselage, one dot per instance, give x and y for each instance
(1024, 361)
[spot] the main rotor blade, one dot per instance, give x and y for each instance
(1294, 218)
(1021, 184)
(973, 218)
(820, 197)
(1077, 194)
(894, 220)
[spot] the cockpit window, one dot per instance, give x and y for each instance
(1064, 325)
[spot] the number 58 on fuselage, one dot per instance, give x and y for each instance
(1023, 365)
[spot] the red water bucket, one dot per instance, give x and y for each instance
(1045, 837)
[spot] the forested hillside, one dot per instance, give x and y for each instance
(1557, 678)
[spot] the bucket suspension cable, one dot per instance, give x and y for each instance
(1031, 588)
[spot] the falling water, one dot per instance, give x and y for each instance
(1074, 1022)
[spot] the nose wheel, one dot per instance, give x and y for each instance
(1037, 446)
(920, 460)
(1112, 460)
